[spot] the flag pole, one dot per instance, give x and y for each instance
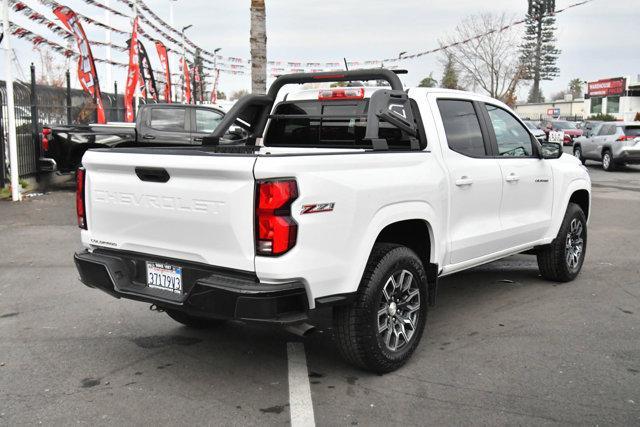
(137, 88)
(11, 112)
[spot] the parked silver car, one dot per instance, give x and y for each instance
(536, 131)
(614, 144)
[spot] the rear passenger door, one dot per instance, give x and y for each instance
(474, 181)
(204, 122)
(164, 124)
(527, 180)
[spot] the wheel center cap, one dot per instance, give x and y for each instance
(393, 308)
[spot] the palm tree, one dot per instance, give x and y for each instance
(258, 42)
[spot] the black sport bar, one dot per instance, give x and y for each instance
(337, 76)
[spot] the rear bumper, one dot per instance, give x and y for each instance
(207, 292)
(46, 164)
(628, 156)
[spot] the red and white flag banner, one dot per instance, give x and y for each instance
(86, 66)
(164, 60)
(133, 73)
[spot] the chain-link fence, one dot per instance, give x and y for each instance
(38, 105)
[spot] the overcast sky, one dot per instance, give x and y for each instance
(598, 40)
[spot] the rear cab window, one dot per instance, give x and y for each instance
(328, 124)
(462, 127)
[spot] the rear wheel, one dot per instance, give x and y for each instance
(381, 329)
(577, 152)
(561, 261)
(194, 322)
(607, 161)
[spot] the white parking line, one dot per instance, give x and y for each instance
(300, 404)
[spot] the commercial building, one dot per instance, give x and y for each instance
(617, 96)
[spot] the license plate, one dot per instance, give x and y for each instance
(556, 136)
(164, 276)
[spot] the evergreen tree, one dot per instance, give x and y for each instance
(575, 88)
(538, 51)
(428, 81)
(449, 74)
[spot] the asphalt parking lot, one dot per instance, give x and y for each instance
(501, 347)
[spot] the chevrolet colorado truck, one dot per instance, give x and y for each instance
(355, 198)
(157, 125)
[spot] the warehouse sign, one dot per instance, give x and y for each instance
(607, 87)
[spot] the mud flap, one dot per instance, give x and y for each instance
(432, 283)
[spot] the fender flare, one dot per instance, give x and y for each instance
(575, 185)
(390, 214)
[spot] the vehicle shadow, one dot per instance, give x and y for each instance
(462, 299)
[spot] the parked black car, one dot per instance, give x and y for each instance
(156, 125)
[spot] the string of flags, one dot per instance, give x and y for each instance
(224, 64)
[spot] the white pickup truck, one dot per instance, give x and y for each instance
(353, 197)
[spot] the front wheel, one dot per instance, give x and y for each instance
(562, 260)
(381, 329)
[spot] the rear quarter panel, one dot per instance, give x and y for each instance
(370, 191)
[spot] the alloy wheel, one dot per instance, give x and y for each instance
(606, 161)
(398, 310)
(574, 246)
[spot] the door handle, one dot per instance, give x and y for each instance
(197, 139)
(148, 136)
(463, 181)
(512, 177)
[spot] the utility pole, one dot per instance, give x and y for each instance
(171, 12)
(216, 75)
(107, 20)
(184, 62)
(11, 111)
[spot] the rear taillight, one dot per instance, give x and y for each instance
(341, 93)
(45, 139)
(276, 230)
(81, 210)
(626, 138)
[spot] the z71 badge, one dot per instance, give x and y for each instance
(317, 208)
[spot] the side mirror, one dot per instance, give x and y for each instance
(550, 150)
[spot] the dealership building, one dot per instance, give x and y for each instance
(617, 96)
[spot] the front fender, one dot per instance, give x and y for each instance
(561, 208)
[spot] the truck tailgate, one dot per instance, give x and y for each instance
(202, 213)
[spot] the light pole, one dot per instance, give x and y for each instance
(107, 18)
(11, 111)
(216, 74)
(184, 60)
(171, 2)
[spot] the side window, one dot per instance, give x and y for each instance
(207, 120)
(607, 130)
(168, 119)
(462, 127)
(512, 138)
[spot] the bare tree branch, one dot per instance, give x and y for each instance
(488, 62)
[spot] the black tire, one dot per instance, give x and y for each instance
(357, 326)
(554, 259)
(193, 321)
(607, 161)
(577, 152)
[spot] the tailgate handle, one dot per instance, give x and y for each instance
(152, 174)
